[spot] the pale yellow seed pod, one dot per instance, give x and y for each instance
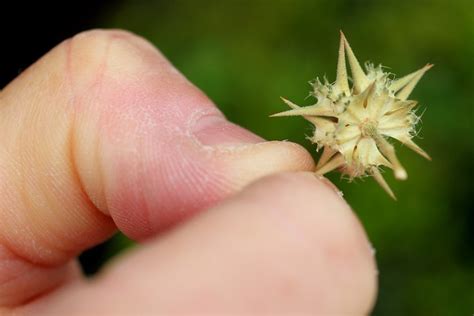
(353, 124)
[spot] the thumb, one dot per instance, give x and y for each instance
(104, 132)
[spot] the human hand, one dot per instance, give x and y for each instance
(103, 133)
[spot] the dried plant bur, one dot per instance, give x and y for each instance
(353, 125)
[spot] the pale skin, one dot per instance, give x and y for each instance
(103, 133)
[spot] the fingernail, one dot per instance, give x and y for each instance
(214, 129)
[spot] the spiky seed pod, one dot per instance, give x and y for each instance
(353, 124)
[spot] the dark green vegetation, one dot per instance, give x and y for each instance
(244, 55)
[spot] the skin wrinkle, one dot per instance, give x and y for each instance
(148, 207)
(26, 259)
(69, 73)
(68, 70)
(99, 203)
(33, 265)
(17, 274)
(76, 101)
(70, 274)
(101, 184)
(95, 84)
(90, 205)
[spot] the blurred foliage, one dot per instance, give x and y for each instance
(245, 54)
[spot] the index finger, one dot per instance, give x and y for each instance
(101, 133)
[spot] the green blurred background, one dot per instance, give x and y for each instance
(245, 54)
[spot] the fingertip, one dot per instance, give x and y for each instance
(329, 234)
(245, 164)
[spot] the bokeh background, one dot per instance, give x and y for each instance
(245, 54)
